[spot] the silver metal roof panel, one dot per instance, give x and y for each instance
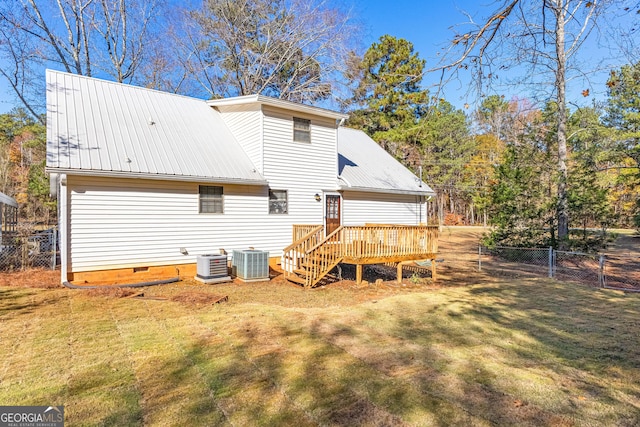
(4, 199)
(365, 166)
(100, 127)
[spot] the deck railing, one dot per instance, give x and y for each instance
(301, 230)
(312, 256)
(378, 243)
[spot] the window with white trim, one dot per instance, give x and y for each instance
(301, 130)
(211, 199)
(278, 201)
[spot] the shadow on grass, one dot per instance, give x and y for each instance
(528, 353)
(24, 301)
(522, 354)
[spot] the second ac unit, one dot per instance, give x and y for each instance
(251, 265)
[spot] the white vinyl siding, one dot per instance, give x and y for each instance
(245, 122)
(302, 169)
(124, 223)
(362, 207)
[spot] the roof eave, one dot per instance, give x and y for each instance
(427, 193)
(280, 103)
(161, 177)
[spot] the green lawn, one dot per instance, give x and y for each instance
(529, 352)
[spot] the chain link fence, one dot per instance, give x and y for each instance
(621, 272)
(38, 250)
(598, 270)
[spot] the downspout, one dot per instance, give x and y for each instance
(345, 180)
(63, 225)
(128, 285)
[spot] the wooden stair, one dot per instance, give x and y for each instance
(308, 260)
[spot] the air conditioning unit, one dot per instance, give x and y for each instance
(250, 265)
(212, 269)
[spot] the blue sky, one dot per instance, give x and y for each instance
(428, 25)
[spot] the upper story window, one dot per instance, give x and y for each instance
(278, 201)
(301, 130)
(211, 199)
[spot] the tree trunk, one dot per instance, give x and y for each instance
(560, 83)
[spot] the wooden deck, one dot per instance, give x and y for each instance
(312, 255)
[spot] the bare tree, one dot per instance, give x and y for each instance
(545, 36)
(81, 36)
(287, 49)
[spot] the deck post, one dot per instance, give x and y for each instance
(399, 272)
(358, 274)
(433, 270)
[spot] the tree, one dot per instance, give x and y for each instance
(546, 38)
(389, 101)
(520, 203)
(521, 196)
(591, 203)
(84, 37)
(623, 109)
(22, 158)
(293, 50)
(623, 115)
(448, 151)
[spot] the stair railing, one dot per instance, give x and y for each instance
(293, 254)
(321, 258)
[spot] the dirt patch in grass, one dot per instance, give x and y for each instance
(200, 298)
(33, 278)
(110, 292)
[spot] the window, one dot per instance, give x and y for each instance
(277, 201)
(301, 130)
(211, 200)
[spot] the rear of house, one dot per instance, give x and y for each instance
(146, 181)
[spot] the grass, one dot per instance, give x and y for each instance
(529, 352)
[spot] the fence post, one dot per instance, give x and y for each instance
(550, 262)
(601, 271)
(54, 234)
(24, 253)
(479, 257)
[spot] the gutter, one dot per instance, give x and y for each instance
(159, 177)
(386, 190)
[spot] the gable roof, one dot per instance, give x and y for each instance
(104, 128)
(365, 166)
(98, 127)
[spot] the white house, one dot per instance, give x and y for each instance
(147, 180)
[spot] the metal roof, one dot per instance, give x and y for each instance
(276, 102)
(8, 200)
(365, 166)
(99, 127)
